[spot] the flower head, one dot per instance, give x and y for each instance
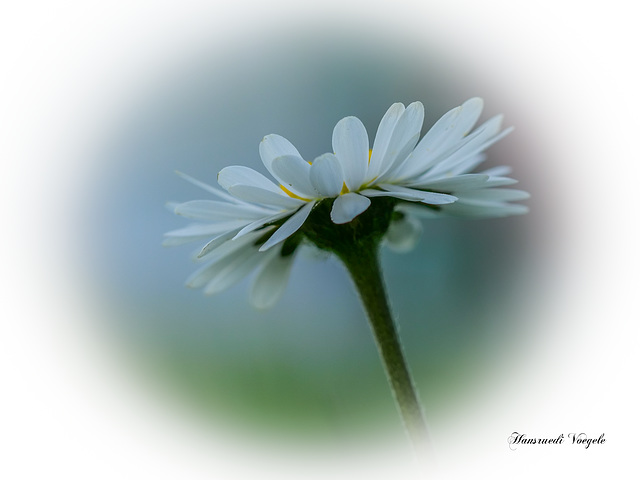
(256, 223)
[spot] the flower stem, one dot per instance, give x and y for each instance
(364, 267)
(357, 244)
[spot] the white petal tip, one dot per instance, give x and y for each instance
(347, 207)
(447, 199)
(476, 102)
(417, 105)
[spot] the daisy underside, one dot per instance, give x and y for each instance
(255, 223)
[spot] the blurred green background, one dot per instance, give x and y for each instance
(308, 368)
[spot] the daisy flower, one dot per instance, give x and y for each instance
(257, 224)
(433, 172)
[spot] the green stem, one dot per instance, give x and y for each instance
(364, 267)
(357, 244)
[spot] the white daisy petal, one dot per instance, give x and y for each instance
(404, 138)
(215, 243)
(467, 165)
(403, 234)
(481, 139)
(215, 211)
(453, 126)
(238, 175)
(369, 192)
(381, 142)
(268, 197)
(494, 195)
(455, 183)
(438, 198)
(348, 206)
(485, 210)
(500, 171)
(474, 150)
(293, 173)
(200, 229)
(469, 114)
(271, 281)
(200, 277)
(431, 198)
(274, 146)
(435, 140)
(289, 227)
(326, 175)
(448, 132)
(461, 159)
(226, 244)
(226, 254)
(351, 146)
(207, 187)
(444, 162)
(499, 182)
(261, 223)
(233, 272)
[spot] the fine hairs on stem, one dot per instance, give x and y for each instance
(367, 277)
(357, 245)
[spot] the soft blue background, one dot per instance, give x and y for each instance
(309, 366)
